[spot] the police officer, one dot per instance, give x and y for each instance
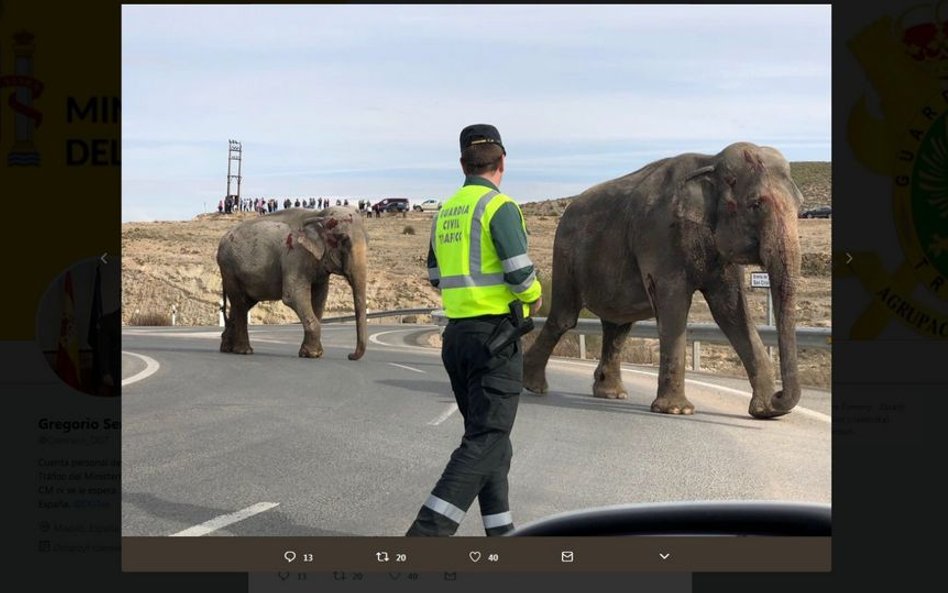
(478, 260)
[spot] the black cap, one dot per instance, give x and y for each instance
(480, 134)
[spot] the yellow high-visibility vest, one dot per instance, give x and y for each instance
(470, 273)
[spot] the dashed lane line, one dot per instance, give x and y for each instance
(225, 520)
(401, 366)
(444, 416)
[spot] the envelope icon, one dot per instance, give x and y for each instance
(566, 556)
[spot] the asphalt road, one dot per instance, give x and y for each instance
(271, 444)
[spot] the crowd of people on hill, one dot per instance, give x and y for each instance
(231, 204)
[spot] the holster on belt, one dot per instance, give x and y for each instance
(509, 330)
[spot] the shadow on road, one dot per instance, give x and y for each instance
(578, 401)
(585, 401)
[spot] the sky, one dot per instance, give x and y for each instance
(368, 101)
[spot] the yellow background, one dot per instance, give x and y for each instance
(56, 215)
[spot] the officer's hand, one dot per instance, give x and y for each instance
(535, 306)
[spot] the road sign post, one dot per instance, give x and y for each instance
(762, 280)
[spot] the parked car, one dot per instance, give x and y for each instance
(391, 205)
(428, 206)
(821, 212)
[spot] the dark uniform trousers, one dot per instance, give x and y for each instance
(487, 391)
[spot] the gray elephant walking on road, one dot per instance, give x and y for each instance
(639, 247)
(289, 256)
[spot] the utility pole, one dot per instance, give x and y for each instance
(234, 154)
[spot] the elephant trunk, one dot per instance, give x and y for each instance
(780, 254)
(356, 278)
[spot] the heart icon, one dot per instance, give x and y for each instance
(475, 556)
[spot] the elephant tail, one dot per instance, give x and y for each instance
(224, 302)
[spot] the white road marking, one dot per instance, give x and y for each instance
(225, 520)
(447, 414)
(202, 335)
(401, 366)
(426, 349)
(151, 366)
(173, 334)
(374, 338)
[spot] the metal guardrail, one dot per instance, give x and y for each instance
(807, 337)
(379, 314)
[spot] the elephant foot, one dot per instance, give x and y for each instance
(673, 405)
(246, 349)
(608, 386)
(607, 391)
(760, 408)
(311, 352)
(227, 340)
(535, 382)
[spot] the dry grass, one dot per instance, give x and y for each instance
(149, 318)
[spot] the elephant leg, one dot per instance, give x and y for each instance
(320, 290)
(301, 301)
(564, 311)
(227, 336)
(671, 300)
(608, 374)
(236, 323)
(729, 309)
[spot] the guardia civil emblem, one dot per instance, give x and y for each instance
(20, 89)
(907, 61)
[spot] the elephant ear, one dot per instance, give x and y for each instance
(327, 231)
(310, 238)
(699, 172)
(695, 203)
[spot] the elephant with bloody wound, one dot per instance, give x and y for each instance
(639, 246)
(289, 256)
